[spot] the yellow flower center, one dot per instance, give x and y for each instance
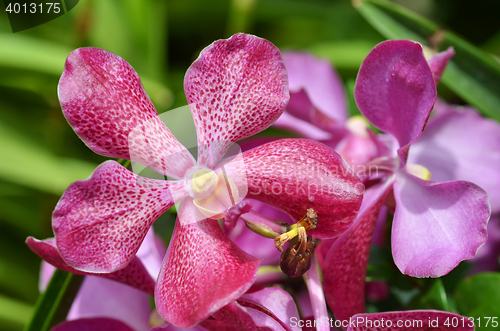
(419, 171)
(358, 125)
(212, 192)
(203, 181)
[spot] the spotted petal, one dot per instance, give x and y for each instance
(436, 225)
(236, 88)
(202, 271)
(345, 265)
(134, 274)
(103, 100)
(296, 174)
(99, 223)
(395, 90)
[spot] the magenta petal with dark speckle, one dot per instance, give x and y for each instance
(100, 222)
(345, 265)
(202, 271)
(103, 100)
(235, 89)
(296, 174)
(134, 274)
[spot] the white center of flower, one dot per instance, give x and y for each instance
(202, 182)
(358, 125)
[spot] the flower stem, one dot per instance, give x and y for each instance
(264, 226)
(53, 305)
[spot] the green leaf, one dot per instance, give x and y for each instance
(433, 296)
(53, 305)
(14, 312)
(472, 74)
(380, 265)
(479, 297)
(346, 54)
(23, 162)
(28, 53)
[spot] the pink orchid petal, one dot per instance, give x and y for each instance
(441, 107)
(240, 318)
(151, 253)
(317, 295)
(357, 150)
(439, 62)
(345, 265)
(99, 223)
(134, 274)
(411, 320)
(214, 325)
(254, 244)
(296, 174)
(270, 212)
(236, 88)
(303, 128)
(202, 271)
(487, 256)
(171, 327)
(462, 145)
(436, 225)
(322, 85)
(377, 290)
(381, 228)
(103, 100)
(274, 302)
(395, 90)
(100, 297)
(322, 249)
(266, 276)
(93, 324)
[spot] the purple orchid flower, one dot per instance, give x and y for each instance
(236, 88)
(396, 91)
(318, 110)
(436, 224)
(458, 143)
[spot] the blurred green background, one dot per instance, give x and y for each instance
(40, 154)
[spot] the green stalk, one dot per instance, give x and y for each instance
(53, 305)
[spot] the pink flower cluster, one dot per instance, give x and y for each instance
(209, 279)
